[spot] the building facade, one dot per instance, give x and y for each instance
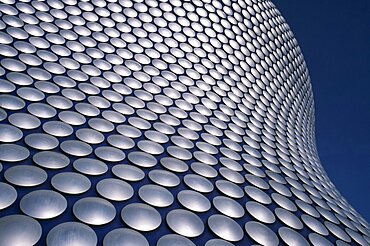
(160, 123)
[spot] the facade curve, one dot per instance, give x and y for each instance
(160, 123)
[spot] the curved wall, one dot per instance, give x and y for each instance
(162, 123)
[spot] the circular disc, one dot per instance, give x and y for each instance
(141, 217)
(318, 240)
(218, 242)
(164, 178)
(19, 230)
(228, 206)
(110, 154)
(94, 210)
(43, 204)
(70, 183)
(90, 166)
(260, 212)
(9, 133)
(194, 200)
(128, 172)
(71, 233)
(8, 195)
(156, 195)
(261, 233)
(124, 237)
(13, 152)
(225, 228)
(50, 159)
(114, 189)
(142, 159)
(291, 237)
(185, 223)
(76, 148)
(25, 175)
(173, 239)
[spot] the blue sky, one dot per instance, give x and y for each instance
(335, 39)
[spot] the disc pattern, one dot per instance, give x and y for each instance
(160, 123)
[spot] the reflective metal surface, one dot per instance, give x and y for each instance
(94, 210)
(261, 233)
(225, 228)
(185, 223)
(156, 195)
(193, 200)
(127, 172)
(19, 230)
(43, 204)
(173, 239)
(124, 237)
(8, 195)
(192, 119)
(13, 153)
(291, 237)
(228, 206)
(141, 217)
(25, 175)
(70, 182)
(114, 189)
(71, 233)
(260, 212)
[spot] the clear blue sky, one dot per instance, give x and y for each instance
(335, 39)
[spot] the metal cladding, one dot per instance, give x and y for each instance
(160, 123)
